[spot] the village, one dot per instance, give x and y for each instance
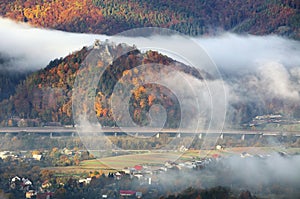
(143, 175)
(41, 167)
(139, 181)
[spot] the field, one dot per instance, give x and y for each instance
(109, 164)
(119, 162)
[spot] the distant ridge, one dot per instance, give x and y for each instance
(191, 17)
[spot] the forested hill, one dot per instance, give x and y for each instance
(193, 17)
(46, 95)
(9, 77)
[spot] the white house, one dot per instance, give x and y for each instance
(86, 181)
(37, 157)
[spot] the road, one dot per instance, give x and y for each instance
(48, 130)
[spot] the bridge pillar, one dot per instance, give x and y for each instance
(178, 135)
(116, 134)
(137, 134)
(157, 135)
(222, 136)
(243, 137)
(72, 134)
(200, 136)
(261, 136)
(51, 135)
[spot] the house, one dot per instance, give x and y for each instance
(5, 154)
(162, 169)
(138, 175)
(126, 171)
(85, 181)
(15, 181)
(46, 184)
(138, 167)
(30, 194)
(183, 149)
(16, 178)
(219, 147)
(26, 184)
(68, 152)
(170, 164)
(245, 154)
(188, 165)
(127, 193)
(117, 175)
(37, 157)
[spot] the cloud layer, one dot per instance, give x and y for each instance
(254, 69)
(30, 48)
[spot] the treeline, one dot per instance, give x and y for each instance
(33, 142)
(189, 17)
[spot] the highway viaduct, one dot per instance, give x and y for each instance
(145, 132)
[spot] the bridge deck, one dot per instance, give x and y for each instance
(48, 130)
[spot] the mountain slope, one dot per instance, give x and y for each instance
(8, 81)
(9, 77)
(190, 16)
(46, 95)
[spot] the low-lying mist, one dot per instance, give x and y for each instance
(260, 74)
(263, 177)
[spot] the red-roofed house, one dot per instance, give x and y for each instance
(138, 167)
(127, 192)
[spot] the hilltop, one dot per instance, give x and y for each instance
(191, 17)
(46, 95)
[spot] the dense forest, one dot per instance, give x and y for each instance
(8, 81)
(190, 17)
(46, 95)
(9, 78)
